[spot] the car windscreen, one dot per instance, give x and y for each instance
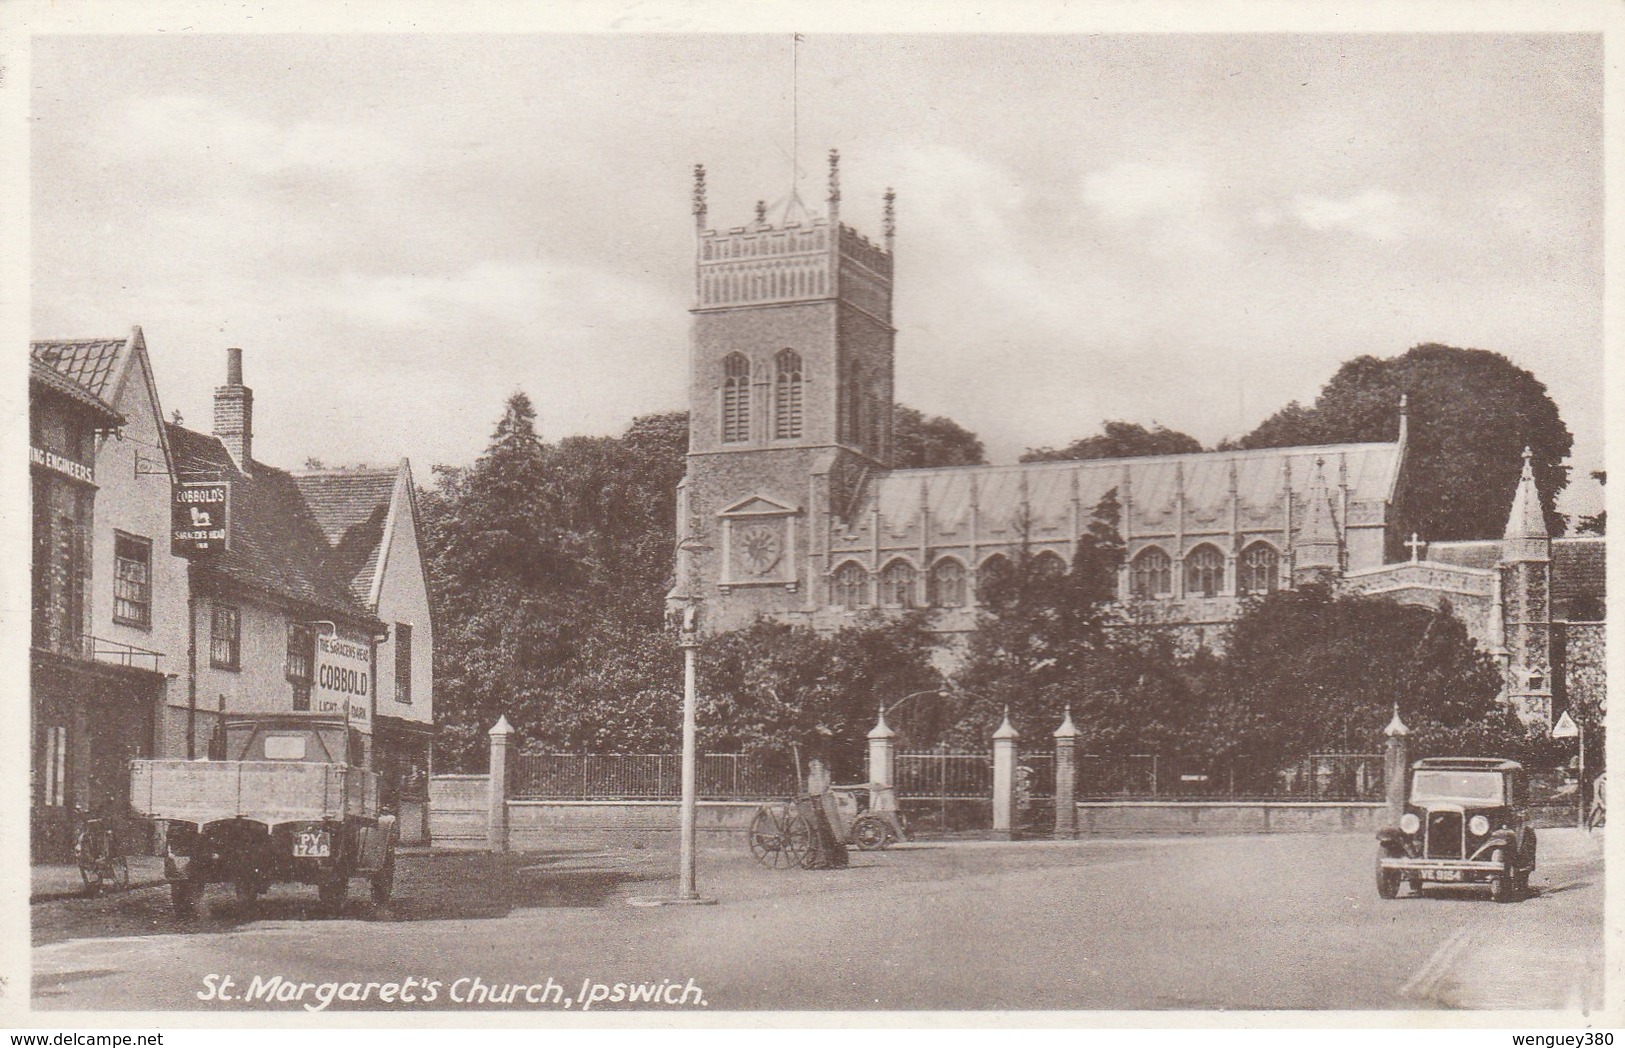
(1471, 787)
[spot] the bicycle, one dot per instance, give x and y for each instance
(101, 859)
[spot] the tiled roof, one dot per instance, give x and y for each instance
(50, 378)
(1579, 577)
(88, 362)
(351, 507)
(277, 545)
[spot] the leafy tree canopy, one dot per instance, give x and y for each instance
(1119, 439)
(1471, 414)
(920, 440)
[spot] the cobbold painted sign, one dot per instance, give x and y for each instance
(344, 679)
(200, 516)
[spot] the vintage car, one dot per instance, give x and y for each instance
(291, 803)
(1466, 822)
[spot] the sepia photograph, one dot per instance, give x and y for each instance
(695, 517)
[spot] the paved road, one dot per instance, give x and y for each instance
(1282, 922)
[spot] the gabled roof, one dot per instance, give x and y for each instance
(48, 377)
(351, 506)
(87, 362)
(276, 545)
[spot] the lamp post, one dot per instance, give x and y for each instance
(688, 638)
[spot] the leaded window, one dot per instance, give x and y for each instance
(1151, 574)
(1204, 572)
(946, 584)
(301, 661)
(403, 662)
(897, 583)
(787, 395)
(1260, 569)
(851, 587)
(735, 399)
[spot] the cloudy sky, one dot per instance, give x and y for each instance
(1185, 229)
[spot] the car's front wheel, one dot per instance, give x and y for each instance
(1502, 884)
(1387, 880)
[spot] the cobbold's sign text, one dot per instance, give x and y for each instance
(343, 679)
(200, 513)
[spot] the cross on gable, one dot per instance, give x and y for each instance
(1416, 545)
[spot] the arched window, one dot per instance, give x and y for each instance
(1204, 571)
(787, 395)
(945, 585)
(1152, 574)
(897, 585)
(735, 399)
(1260, 569)
(1049, 564)
(851, 587)
(994, 579)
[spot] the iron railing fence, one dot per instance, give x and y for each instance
(647, 776)
(1319, 777)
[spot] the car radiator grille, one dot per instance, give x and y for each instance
(1444, 835)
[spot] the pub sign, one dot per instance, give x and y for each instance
(344, 680)
(200, 515)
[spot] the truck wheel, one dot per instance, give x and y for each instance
(383, 882)
(1501, 883)
(183, 897)
(333, 890)
(247, 889)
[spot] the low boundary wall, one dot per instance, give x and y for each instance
(534, 825)
(1107, 818)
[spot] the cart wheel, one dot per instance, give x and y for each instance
(798, 841)
(247, 891)
(121, 873)
(183, 897)
(383, 882)
(767, 835)
(869, 833)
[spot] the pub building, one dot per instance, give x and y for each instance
(273, 626)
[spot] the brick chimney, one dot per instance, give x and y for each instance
(234, 412)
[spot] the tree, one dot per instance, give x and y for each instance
(1120, 439)
(1595, 524)
(919, 440)
(1471, 414)
(1301, 677)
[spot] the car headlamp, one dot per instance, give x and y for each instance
(1409, 823)
(1479, 825)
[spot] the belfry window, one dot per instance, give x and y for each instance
(735, 399)
(787, 395)
(854, 405)
(1152, 574)
(1204, 572)
(1260, 570)
(850, 587)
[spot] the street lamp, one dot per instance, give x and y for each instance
(688, 638)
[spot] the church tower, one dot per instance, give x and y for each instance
(1526, 562)
(790, 402)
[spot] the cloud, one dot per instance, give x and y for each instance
(1132, 192)
(169, 126)
(1375, 213)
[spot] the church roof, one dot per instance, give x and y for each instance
(276, 544)
(351, 507)
(1579, 576)
(1477, 553)
(1151, 482)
